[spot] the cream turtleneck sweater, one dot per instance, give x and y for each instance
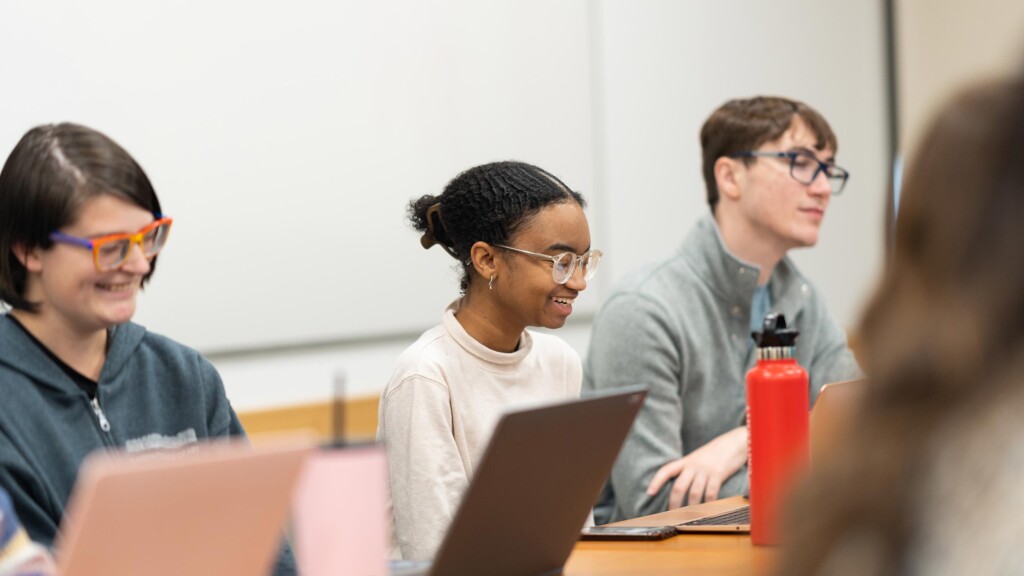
(439, 409)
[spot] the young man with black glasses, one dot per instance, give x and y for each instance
(682, 327)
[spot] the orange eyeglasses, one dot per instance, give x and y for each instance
(111, 252)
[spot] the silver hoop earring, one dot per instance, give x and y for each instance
(490, 285)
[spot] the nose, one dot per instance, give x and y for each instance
(820, 185)
(136, 261)
(577, 281)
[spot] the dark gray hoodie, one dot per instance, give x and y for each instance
(153, 393)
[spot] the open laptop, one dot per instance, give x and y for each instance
(533, 490)
(214, 509)
(831, 414)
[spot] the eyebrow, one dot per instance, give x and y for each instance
(829, 160)
(566, 248)
(104, 234)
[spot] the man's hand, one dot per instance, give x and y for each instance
(702, 472)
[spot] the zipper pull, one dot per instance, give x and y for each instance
(104, 423)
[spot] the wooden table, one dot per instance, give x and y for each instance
(712, 554)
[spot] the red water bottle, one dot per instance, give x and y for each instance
(778, 425)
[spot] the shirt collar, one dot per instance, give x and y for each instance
(469, 344)
(734, 280)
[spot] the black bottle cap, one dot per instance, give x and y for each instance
(774, 333)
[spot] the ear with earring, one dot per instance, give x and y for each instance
(482, 262)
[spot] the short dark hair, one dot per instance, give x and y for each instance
(745, 124)
(487, 203)
(50, 174)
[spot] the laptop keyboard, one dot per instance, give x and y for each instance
(738, 516)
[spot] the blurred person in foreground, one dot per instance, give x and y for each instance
(929, 482)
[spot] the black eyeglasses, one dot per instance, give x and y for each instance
(804, 167)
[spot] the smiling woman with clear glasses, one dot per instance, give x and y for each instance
(522, 243)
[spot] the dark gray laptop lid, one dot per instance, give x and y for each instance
(536, 483)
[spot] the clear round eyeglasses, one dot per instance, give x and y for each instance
(111, 252)
(564, 264)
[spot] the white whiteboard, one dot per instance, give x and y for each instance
(286, 139)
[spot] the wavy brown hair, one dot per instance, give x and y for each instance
(942, 336)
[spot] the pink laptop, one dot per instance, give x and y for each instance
(212, 510)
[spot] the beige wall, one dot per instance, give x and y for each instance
(943, 44)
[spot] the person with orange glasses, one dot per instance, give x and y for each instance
(80, 232)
